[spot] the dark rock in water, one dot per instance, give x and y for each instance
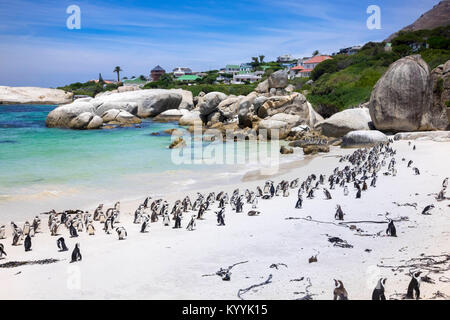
(313, 149)
(8, 141)
(155, 134)
(284, 150)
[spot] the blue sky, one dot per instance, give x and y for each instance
(37, 49)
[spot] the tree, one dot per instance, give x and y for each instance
(261, 58)
(315, 53)
(142, 77)
(100, 79)
(118, 70)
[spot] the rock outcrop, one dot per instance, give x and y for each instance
(345, 121)
(209, 103)
(278, 80)
(171, 115)
(402, 99)
(438, 136)
(33, 95)
(363, 138)
(190, 119)
(139, 103)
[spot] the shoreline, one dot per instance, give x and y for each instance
(167, 263)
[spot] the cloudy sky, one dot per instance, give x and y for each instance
(37, 48)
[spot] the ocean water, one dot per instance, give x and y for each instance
(44, 168)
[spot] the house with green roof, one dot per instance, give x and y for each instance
(232, 68)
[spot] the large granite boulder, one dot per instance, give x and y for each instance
(278, 79)
(190, 119)
(263, 87)
(274, 128)
(95, 123)
(62, 116)
(187, 100)
(246, 111)
(402, 99)
(229, 107)
(345, 121)
(209, 103)
(149, 102)
(440, 87)
(363, 138)
(34, 95)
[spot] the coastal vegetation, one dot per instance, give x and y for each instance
(347, 80)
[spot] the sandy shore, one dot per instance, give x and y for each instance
(170, 263)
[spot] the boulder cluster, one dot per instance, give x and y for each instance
(408, 97)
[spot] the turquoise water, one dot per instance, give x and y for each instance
(30, 153)
(49, 168)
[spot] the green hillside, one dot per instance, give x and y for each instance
(347, 81)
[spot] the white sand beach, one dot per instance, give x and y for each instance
(169, 263)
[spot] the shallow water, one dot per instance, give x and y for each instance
(43, 168)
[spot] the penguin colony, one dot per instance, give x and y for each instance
(362, 169)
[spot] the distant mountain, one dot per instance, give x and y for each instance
(439, 16)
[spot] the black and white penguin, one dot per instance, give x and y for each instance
(121, 233)
(327, 194)
(426, 210)
(3, 232)
(339, 215)
(221, 217)
(166, 220)
(346, 192)
(339, 291)
(61, 244)
(2, 251)
(414, 286)
(27, 243)
(378, 292)
(391, 231)
(90, 229)
(299, 203)
(445, 183)
(191, 225)
(76, 254)
(416, 171)
(73, 231)
(26, 228)
(177, 221)
(144, 226)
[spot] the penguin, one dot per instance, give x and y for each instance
(416, 171)
(144, 226)
(373, 182)
(177, 221)
(426, 210)
(391, 231)
(2, 251)
(327, 194)
(61, 244)
(299, 203)
(191, 225)
(410, 162)
(339, 215)
(26, 228)
(76, 254)
(108, 227)
(445, 183)
(378, 292)
(414, 286)
(252, 213)
(73, 231)
(339, 292)
(3, 232)
(90, 229)
(36, 224)
(440, 197)
(54, 228)
(17, 239)
(27, 243)
(221, 217)
(358, 194)
(121, 233)
(166, 220)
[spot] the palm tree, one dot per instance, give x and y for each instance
(117, 69)
(261, 58)
(315, 53)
